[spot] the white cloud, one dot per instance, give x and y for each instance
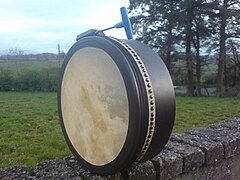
(32, 24)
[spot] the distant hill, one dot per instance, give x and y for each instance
(30, 57)
(3, 52)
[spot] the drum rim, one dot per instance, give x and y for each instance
(133, 138)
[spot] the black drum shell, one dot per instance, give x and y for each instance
(164, 100)
(164, 96)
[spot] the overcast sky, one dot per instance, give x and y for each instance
(39, 25)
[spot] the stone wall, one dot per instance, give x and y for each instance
(204, 153)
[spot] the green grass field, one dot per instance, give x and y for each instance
(30, 130)
(201, 111)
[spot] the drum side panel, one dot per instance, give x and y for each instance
(92, 88)
(164, 96)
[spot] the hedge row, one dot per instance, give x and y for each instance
(45, 79)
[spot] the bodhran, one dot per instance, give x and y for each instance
(116, 103)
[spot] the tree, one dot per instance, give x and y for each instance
(160, 25)
(168, 23)
(226, 9)
(233, 65)
(196, 44)
(202, 28)
(222, 53)
(16, 51)
(189, 4)
(173, 25)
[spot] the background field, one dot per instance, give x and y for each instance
(30, 130)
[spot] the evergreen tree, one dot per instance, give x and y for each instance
(166, 25)
(154, 23)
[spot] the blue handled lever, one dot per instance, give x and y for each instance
(126, 24)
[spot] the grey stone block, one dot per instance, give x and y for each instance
(168, 164)
(14, 172)
(228, 169)
(145, 170)
(193, 157)
(220, 134)
(193, 175)
(86, 174)
(233, 123)
(233, 126)
(213, 150)
(91, 176)
(54, 169)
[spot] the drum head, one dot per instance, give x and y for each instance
(107, 105)
(95, 104)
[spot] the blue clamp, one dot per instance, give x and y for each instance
(126, 24)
